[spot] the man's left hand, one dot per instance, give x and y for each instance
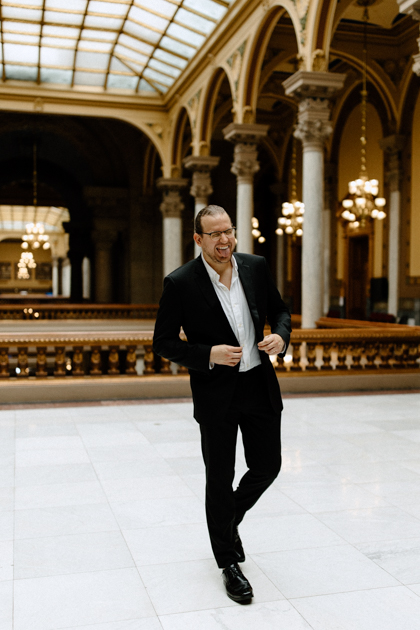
(271, 344)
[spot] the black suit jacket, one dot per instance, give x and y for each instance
(189, 300)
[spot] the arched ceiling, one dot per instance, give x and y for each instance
(134, 45)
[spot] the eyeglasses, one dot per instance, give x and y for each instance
(216, 235)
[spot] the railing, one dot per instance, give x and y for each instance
(116, 354)
(352, 349)
(78, 311)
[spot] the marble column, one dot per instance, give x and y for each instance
(392, 146)
(329, 204)
(171, 209)
(278, 189)
(201, 188)
(55, 271)
(86, 278)
(66, 277)
(103, 240)
(412, 7)
(313, 91)
(245, 137)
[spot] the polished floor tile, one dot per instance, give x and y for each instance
(396, 608)
(76, 553)
(102, 520)
(83, 598)
(182, 586)
(62, 520)
(265, 616)
(320, 571)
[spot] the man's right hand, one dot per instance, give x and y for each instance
(226, 355)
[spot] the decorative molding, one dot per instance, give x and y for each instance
(193, 104)
(171, 206)
(157, 129)
(412, 280)
(304, 83)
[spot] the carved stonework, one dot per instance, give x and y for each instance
(313, 90)
(77, 362)
(41, 361)
(245, 138)
(313, 126)
(394, 68)
(22, 362)
(392, 146)
(245, 163)
(157, 129)
(171, 205)
(201, 181)
(131, 360)
(193, 104)
(319, 61)
(95, 361)
(4, 363)
(113, 360)
(60, 361)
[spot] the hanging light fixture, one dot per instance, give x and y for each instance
(35, 232)
(25, 263)
(255, 231)
(292, 220)
(362, 201)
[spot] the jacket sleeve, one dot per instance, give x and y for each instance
(166, 340)
(278, 315)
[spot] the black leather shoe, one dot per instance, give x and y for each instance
(237, 586)
(239, 550)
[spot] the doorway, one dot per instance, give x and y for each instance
(358, 277)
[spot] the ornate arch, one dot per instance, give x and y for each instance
(207, 112)
(319, 29)
(177, 137)
(247, 102)
(374, 73)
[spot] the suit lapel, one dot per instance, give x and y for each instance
(206, 287)
(249, 289)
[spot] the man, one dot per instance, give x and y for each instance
(222, 302)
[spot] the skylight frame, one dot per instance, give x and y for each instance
(149, 61)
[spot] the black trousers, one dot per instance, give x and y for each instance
(252, 412)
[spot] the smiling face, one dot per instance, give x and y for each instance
(216, 253)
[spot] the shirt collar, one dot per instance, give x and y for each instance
(214, 276)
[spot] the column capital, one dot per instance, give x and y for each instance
(319, 85)
(245, 133)
(171, 206)
(171, 183)
(392, 147)
(314, 126)
(245, 137)
(201, 163)
(313, 90)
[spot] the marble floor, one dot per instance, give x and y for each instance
(102, 520)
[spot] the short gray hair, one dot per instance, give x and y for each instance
(211, 211)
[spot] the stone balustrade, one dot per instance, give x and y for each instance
(78, 311)
(321, 351)
(347, 350)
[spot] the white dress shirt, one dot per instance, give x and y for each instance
(236, 309)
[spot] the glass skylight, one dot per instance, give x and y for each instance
(135, 45)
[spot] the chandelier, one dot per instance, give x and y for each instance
(362, 201)
(292, 220)
(26, 262)
(35, 232)
(255, 231)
